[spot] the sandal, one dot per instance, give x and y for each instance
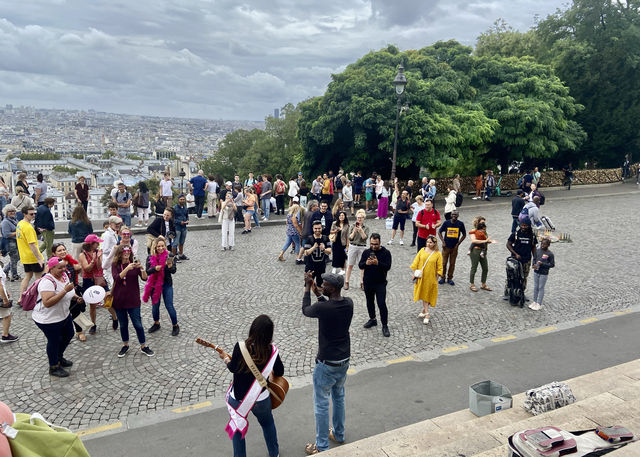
(485, 287)
(311, 449)
(81, 336)
(361, 285)
(346, 285)
(474, 288)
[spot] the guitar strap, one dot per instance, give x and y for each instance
(238, 416)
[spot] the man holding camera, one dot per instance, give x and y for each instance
(317, 248)
(376, 262)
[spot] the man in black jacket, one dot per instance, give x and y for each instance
(517, 203)
(161, 226)
(332, 361)
(45, 224)
(376, 262)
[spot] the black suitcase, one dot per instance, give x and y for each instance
(515, 282)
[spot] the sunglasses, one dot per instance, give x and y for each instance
(126, 234)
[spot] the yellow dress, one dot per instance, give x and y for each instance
(426, 288)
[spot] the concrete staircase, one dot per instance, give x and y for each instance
(607, 397)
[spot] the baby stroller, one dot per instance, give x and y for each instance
(515, 282)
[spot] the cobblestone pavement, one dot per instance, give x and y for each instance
(217, 295)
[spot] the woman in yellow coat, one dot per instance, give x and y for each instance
(429, 261)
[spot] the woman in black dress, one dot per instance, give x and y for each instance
(339, 245)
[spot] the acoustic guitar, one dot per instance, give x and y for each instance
(278, 386)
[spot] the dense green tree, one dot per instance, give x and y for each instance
(503, 41)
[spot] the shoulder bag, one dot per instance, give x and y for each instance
(418, 273)
(277, 387)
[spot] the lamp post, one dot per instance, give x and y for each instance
(182, 174)
(399, 82)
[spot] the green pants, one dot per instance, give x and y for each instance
(47, 235)
(475, 259)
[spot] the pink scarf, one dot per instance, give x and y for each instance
(155, 280)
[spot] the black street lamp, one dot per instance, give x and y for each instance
(182, 174)
(399, 82)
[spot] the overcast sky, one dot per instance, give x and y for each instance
(216, 58)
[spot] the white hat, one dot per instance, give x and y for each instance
(228, 183)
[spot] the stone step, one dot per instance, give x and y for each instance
(462, 433)
(630, 450)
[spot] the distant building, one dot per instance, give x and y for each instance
(276, 113)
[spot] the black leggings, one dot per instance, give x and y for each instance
(379, 293)
(415, 233)
(279, 204)
(59, 335)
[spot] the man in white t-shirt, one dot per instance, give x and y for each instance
(5, 311)
(166, 189)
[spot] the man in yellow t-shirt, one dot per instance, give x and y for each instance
(30, 257)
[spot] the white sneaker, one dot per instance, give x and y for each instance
(333, 271)
(421, 315)
(426, 320)
(342, 272)
(401, 242)
(535, 306)
(390, 241)
(377, 218)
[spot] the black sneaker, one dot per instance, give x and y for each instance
(64, 363)
(9, 338)
(92, 330)
(146, 350)
(123, 351)
(385, 331)
(184, 257)
(371, 323)
(154, 328)
(114, 324)
(175, 331)
(58, 372)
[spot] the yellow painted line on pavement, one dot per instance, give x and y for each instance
(455, 348)
(546, 329)
(589, 320)
(102, 428)
(351, 371)
(401, 360)
(623, 312)
(504, 338)
(186, 409)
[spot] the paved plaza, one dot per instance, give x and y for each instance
(217, 295)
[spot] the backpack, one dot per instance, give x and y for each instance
(459, 198)
(280, 187)
(29, 297)
(524, 215)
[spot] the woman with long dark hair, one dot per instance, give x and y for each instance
(340, 230)
(79, 227)
(245, 394)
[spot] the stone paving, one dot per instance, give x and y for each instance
(217, 295)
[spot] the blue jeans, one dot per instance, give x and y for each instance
(514, 224)
(136, 320)
(266, 207)
(328, 381)
(262, 411)
(126, 219)
(295, 239)
(181, 236)
(255, 215)
(167, 295)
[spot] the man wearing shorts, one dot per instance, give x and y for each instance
(30, 256)
(400, 216)
(358, 237)
(428, 221)
(369, 188)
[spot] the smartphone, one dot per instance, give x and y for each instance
(135, 260)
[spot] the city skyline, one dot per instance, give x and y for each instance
(215, 59)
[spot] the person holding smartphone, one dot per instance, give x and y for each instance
(375, 262)
(160, 266)
(126, 297)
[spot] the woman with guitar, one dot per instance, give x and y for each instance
(246, 394)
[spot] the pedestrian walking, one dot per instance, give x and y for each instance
(199, 186)
(181, 221)
(127, 271)
(142, 204)
(294, 189)
(255, 398)
(358, 237)
(334, 316)
(478, 253)
(543, 261)
(426, 269)
(400, 216)
(375, 263)
(81, 192)
(30, 255)
(454, 234)
(92, 275)
(339, 237)
(79, 227)
(160, 266)
(489, 186)
(227, 219)
(478, 183)
(317, 249)
(294, 229)
(51, 315)
(416, 207)
(212, 188)
(357, 182)
(265, 196)
(428, 220)
(568, 175)
(45, 224)
(9, 228)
